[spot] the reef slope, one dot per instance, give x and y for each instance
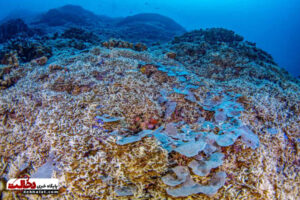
(207, 116)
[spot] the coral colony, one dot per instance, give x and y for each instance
(204, 115)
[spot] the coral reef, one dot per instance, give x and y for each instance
(26, 50)
(207, 116)
(222, 55)
(68, 14)
(14, 28)
(112, 43)
(81, 35)
(40, 61)
(142, 28)
(9, 58)
(153, 27)
(9, 73)
(211, 36)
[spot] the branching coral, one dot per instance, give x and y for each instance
(165, 132)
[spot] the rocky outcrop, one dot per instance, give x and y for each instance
(223, 55)
(26, 50)
(146, 27)
(81, 35)
(68, 15)
(13, 28)
(149, 27)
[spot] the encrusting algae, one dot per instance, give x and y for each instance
(110, 124)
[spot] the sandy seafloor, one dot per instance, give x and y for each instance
(48, 121)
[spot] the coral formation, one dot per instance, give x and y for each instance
(171, 55)
(220, 54)
(153, 27)
(142, 28)
(40, 61)
(68, 14)
(26, 50)
(211, 36)
(14, 28)
(112, 43)
(10, 58)
(80, 35)
(216, 119)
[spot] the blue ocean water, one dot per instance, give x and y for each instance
(272, 24)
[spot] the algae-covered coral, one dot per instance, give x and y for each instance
(117, 123)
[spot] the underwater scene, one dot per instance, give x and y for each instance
(142, 100)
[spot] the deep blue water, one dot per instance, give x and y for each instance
(274, 25)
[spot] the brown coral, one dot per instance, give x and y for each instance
(41, 61)
(70, 87)
(55, 67)
(171, 55)
(124, 44)
(10, 58)
(148, 69)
